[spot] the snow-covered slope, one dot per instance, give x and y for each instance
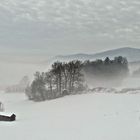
(79, 117)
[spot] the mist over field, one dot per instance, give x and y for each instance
(13, 68)
(69, 69)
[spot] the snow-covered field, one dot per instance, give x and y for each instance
(78, 117)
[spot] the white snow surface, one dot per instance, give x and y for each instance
(78, 117)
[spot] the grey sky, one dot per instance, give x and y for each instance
(55, 27)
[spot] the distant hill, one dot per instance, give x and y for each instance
(132, 54)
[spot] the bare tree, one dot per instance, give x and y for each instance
(57, 72)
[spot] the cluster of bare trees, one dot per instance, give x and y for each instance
(62, 79)
(69, 78)
(20, 87)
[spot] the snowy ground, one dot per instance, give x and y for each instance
(78, 117)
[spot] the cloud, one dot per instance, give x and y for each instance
(30, 21)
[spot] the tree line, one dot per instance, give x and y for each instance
(69, 78)
(118, 67)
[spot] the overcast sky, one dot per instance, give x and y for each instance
(55, 27)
